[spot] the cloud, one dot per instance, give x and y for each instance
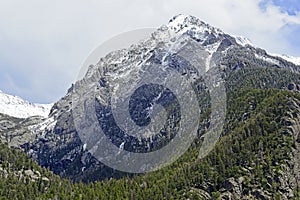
(43, 43)
(292, 7)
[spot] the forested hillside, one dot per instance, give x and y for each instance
(252, 159)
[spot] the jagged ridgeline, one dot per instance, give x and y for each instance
(257, 156)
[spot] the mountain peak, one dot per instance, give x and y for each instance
(183, 22)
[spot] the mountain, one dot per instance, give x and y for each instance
(256, 157)
(22, 117)
(17, 107)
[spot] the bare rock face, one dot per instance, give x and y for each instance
(24, 175)
(234, 187)
(19, 131)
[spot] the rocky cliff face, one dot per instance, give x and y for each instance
(54, 142)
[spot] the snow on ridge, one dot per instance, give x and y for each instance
(292, 59)
(17, 107)
(243, 41)
(268, 59)
(183, 23)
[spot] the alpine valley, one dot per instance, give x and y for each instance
(256, 157)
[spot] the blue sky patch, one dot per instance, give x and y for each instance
(291, 32)
(292, 7)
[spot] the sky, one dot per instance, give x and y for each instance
(44, 43)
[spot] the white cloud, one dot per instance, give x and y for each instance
(47, 41)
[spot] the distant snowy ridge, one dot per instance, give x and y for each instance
(17, 107)
(245, 41)
(295, 60)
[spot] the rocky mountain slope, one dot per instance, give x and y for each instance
(258, 154)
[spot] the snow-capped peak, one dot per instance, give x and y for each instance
(17, 107)
(181, 23)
